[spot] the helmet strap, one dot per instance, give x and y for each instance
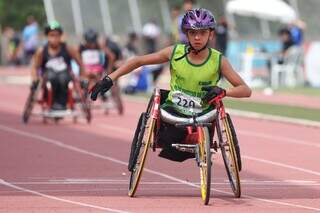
(190, 49)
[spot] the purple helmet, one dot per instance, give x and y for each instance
(198, 19)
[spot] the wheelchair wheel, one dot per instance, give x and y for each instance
(235, 142)
(27, 110)
(227, 146)
(87, 111)
(84, 102)
(141, 147)
(119, 104)
(205, 164)
(136, 142)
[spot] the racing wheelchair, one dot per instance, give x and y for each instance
(42, 93)
(111, 100)
(201, 126)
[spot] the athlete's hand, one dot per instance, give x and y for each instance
(101, 87)
(212, 92)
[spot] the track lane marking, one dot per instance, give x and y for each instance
(278, 138)
(125, 182)
(3, 182)
(281, 165)
(76, 149)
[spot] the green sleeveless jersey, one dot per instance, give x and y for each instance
(187, 79)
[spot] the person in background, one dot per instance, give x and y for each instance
(93, 57)
(297, 30)
(53, 63)
(30, 38)
(187, 5)
(175, 11)
(286, 42)
(222, 36)
(116, 51)
(13, 56)
(131, 48)
(151, 32)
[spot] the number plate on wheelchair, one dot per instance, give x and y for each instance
(187, 102)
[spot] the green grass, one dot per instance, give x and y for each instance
(308, 91)
(273, 109)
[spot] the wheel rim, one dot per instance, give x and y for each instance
(229, 158)
(205, 165)
(138, 168)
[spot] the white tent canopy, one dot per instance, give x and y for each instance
(275, 10)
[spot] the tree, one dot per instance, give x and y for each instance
(15, 12)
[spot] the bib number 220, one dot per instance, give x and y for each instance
(185, 103)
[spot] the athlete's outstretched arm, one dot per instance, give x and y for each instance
(76, 56)
(154, 58)
(240, 89)
(36, 63)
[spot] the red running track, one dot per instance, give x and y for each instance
(70, 167)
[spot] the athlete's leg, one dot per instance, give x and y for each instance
(62, 96)
(51, 77)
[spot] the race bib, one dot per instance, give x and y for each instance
(186, 102)
(57, 64)
(91, 57)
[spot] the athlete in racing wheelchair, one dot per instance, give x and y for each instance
(193, 102)
(97, 59)
(51, 71)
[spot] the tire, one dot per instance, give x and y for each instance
(88, 114)
(135, 146)
(236, 142)
(226, 143)
(205, 164)
(140, 154)
(27, 110)
(85, 105)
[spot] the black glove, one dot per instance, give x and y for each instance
(212, 92)
(101, 87)
(34, 85)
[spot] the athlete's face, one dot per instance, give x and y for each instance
(199, 38)
(54, 38)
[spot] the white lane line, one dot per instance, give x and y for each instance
(272, 138)
(125, 182)
(224, 192)
(65, 146)
(59, 199)
(281, 165)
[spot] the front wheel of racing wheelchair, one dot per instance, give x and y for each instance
(140, 146)
(230, 150)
